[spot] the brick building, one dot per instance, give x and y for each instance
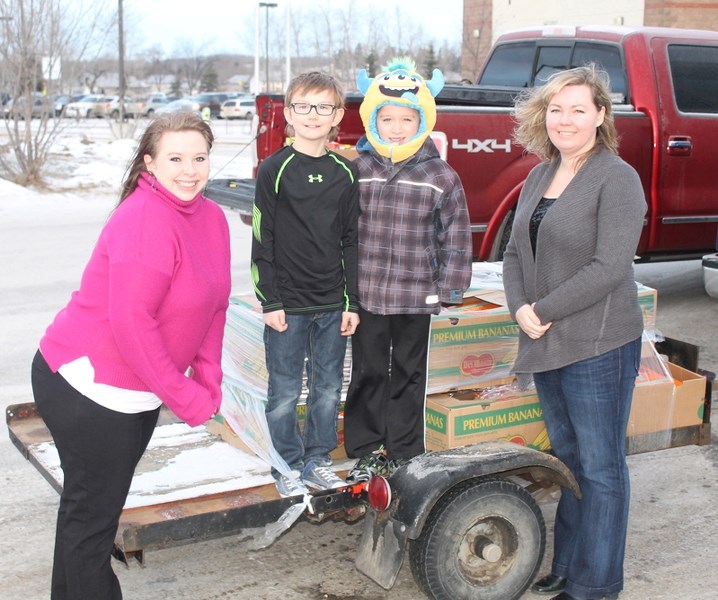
(485, 20)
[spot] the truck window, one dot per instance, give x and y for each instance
(694, 72)
(551, 59)
(510, 65)
(608, 58)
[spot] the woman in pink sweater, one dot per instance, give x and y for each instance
(144, 329)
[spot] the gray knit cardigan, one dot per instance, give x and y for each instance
(582, 277)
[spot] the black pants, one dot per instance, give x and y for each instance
(387, 394)
(99, 450)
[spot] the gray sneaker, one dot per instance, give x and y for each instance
(320, 477)
(291, 487)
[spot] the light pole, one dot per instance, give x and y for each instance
(266, 6)
(121, 61)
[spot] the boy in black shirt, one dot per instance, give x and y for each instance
(304, 270)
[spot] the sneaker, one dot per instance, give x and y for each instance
(368, 466)
(321, 477)
(290, 487)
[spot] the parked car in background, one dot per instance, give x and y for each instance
(237, 108)
(17, 108)
(145, 106)
(177, 105)
(62, 101)
(85, 107)
(214, 100)
(109, 107)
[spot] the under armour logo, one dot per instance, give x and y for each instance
(315, 178)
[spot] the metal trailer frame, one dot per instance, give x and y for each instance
(183, 521)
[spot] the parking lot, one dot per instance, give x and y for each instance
(44, 242)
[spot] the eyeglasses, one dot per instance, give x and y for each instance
(304, 108)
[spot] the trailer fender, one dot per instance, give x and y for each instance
(418, 485)
(421, 483)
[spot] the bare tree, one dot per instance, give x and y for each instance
(37, 36)
(339, 36)
(94, 71)
(156, 69)
(192, 64)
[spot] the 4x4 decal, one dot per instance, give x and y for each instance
(474, 146)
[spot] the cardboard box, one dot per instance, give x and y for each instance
(648, 301)
(464, 417)
(476, 342)
(662, 406)
(457, 419)
(470, 344)
(345, 150)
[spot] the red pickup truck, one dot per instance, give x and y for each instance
(665, 90)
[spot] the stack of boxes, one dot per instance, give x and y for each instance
(472, 396)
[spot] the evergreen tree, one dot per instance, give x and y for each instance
(176, 87)
(431, 61)
(371, 64)
(209, 81)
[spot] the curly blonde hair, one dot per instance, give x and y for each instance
(531, 105)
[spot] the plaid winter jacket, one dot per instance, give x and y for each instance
(414, 233)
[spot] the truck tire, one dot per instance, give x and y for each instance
(502, 240)
(484, 539)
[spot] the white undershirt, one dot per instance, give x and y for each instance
(80, 374)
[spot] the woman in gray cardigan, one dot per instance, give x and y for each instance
(568, 274)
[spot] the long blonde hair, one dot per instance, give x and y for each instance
(531, 105)
(149, 142)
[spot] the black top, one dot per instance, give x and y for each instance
(304, 246)
(536, 218)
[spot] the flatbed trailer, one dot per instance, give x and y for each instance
(234, 511)
(177, 522)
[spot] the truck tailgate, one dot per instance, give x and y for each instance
(235, 194)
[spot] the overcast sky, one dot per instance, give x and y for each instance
(228, 26)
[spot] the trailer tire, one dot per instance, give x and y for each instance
(497, 514)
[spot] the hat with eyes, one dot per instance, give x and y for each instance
(399, 84)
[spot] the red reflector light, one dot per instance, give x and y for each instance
(379, 493)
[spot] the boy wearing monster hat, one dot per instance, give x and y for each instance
(414, 256)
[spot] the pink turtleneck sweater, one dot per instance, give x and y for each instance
(152, 302)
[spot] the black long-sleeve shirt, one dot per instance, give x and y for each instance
(304, 244)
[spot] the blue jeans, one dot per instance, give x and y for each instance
(586, 407)
(316, 337)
